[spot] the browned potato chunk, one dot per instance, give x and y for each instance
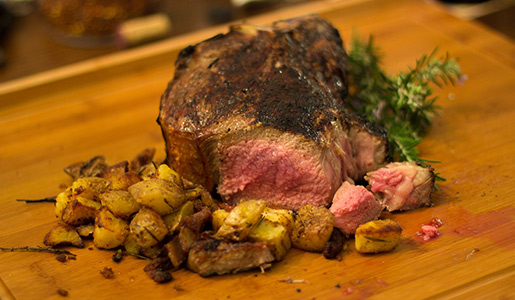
(90, 187)
(120, 203)
(163, 196)
(312, 228)
(167, 173)
(275, 235)
(143, 159)
(80, 211)
(148, 171)
(174, 220)
(86, 230)
(110, 231)
(281, 216)
(219, 216)
(240, 220)
(61, 201)
(119, 177)
(131, 245)
(148, 228)
(378, 236)
(63, 235)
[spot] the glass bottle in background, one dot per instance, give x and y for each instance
(90, 23)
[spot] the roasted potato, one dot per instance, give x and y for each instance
(240, 220)
(281, 216)
(62, 200)
(120, 203)
(63, 235)
(131, 245)
(378, 236)
(148, 171)
(86, 230)
(274, 234)
(115, 171)
(143, 159)
(173, 220)
(148, 228)
(80, 211)
(90, 187)
(161, 195)
(110, 231)
(312, 228)
(167, 173)
(219, 216)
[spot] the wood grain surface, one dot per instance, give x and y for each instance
(109, 106)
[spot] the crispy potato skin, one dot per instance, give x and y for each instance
(110, 231)
(377, 236)
(63, 235)
(312, 228)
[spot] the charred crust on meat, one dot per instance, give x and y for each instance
(212, 244)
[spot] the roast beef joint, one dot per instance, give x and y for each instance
(258, 113)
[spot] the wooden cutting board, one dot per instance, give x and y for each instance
(109, 105)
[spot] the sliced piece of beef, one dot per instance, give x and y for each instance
(212, 256)
(259, 113)
(402, 185)
(352, 206)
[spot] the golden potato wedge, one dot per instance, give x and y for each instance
(90, 187)
(110, 231)
(61, 201)
(377, 236)
(120, 203)
(148, 228)
(240, 220)
(174, 220)
(274, 234)
(281, 216)
(219, 216)
(167, 173)
(63, 235)
(312, 228)
(161, 195)
(80, 211)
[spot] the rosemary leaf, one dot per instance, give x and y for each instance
(404, 103)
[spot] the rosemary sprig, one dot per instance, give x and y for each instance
(404, 103)
(36, 249)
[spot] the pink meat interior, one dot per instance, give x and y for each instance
(275, 172)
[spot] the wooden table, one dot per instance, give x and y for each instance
(108, 106)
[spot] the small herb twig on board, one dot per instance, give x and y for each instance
(47, 199)
(37, 249)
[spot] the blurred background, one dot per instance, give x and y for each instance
(39, 35)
